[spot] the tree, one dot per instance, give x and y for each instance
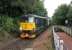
(8, 8)
(39, 9)
(21, 7)
(59, 16)
(69, 15)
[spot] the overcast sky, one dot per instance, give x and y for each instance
(51, 5)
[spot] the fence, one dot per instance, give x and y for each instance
(68, 30)
(57, 41)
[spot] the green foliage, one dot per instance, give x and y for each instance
(69, 14)
(62, 10)
(39, 9)
(7, 8)
(62, 13)
(21, 7)
(8, 25)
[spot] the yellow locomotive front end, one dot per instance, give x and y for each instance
(27, 28)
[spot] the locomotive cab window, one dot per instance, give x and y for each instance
(31, 19)
(24, 19)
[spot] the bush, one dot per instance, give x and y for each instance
(8, 24)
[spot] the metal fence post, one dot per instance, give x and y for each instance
(61, 44)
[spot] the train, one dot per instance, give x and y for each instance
(31, 25)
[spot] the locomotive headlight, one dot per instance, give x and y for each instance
(20, 28)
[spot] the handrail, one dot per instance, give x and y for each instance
(57, 41)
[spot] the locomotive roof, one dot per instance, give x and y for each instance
(32, 15)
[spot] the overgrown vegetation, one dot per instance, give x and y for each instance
(21, 7)
(63, 13)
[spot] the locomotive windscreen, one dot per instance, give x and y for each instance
(24, 18)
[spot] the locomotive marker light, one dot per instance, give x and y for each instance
(20, 28)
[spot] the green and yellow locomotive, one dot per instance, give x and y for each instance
(29, 25)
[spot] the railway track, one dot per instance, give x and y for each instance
(18, 44)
